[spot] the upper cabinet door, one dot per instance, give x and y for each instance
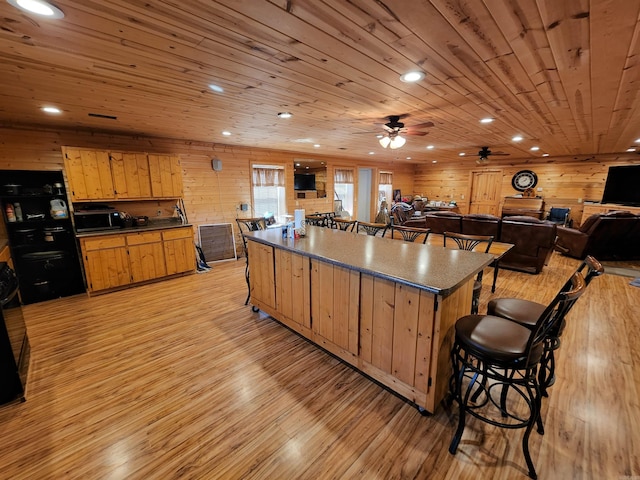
(89, 174)
(131, 175)
(166, 176)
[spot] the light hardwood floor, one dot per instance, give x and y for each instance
(180, 380)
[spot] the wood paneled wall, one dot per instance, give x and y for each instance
(210, 196)
(565, 181)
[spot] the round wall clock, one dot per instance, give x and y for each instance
(524, 179)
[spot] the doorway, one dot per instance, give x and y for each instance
(486, 187)
(364, 194)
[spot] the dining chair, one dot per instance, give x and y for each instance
(410, 234)
(344, 224)
(372, 229)
(471, 243)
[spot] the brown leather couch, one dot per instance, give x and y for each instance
(608, 236)
(533, 241)
(440, 222)
(481, 224)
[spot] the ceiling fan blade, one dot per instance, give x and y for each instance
(500, 153)
(409, 132)
(423, 125)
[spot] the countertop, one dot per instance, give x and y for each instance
(152, 225)
(436, 269)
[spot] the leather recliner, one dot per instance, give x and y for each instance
(481, 224)
(533, 241)
(440, 222)
(609, 236)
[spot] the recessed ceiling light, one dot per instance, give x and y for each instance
(430, 147)
(216, 88)
(408, 158)
(638, 140)
(226, 133)
(545, 154)
(517, 138)
(379, 135)
(39, 7)
(53, 110)
(535, 149)
(411, 77)
(631, 149)
(317, 145)
(486, 120)
(297, 164)
(461, 154)
(285, 115)
(434, 161)
(372, 153)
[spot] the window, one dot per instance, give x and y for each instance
(385, 188)
(268, 191)
(343, 188)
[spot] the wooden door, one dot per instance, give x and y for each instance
(146, 256)
(89, 174)
(166, 176)
(106, 263)
(130, 173)
(179, 250)
(485, 192)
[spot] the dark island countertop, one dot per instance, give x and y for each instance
(436, 269)
(152, 225)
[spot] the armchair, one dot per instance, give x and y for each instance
(533, 241)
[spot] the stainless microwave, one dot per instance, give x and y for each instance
(92, 219)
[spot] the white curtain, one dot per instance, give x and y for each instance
(268, 177)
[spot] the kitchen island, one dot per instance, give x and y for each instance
(385, 307)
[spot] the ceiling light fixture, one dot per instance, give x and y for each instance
(461, 154)
(631, 149)
(517, 138)
(393, 141)
(372, 153)
(434, 161)
(216, 88)
(411, 77)
(226, 133)
(430, 147)
(39, 7)
(638, 140)
(535, 149)
(545, 154)
(317, 145)
(285, 115)
(52, 110)
(486, 120)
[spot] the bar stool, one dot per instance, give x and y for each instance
(410, 234)
(372, 229)
(500, 359)
(526, 313)
(470, 243)
(249, 225)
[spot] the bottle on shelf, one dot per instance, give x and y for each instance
(18, 211)
(11, 217)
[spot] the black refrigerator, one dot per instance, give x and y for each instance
(41, 236)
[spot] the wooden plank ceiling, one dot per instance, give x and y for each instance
(561, 73)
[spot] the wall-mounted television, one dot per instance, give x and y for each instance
(623, 185)
(304, 181)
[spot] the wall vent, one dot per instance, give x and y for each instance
(217, 242)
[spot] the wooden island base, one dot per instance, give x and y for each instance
(398, 334)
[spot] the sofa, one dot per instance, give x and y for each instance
(606, 236)
(533, 239)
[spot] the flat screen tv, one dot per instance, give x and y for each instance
(304, 181)
(623, 185)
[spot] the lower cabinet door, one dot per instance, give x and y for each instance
(147, 262)
(107, 268)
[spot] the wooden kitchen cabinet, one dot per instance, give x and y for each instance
(106, 262)
(105, 175)
(146, 256)
(117, 260)
(89, 174)
(262, 274)
(179, 250)
(166, 176)
(130, 173)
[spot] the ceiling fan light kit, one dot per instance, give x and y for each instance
(392, 141)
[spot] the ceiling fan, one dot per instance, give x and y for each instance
(484, 153)
(396, 129)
